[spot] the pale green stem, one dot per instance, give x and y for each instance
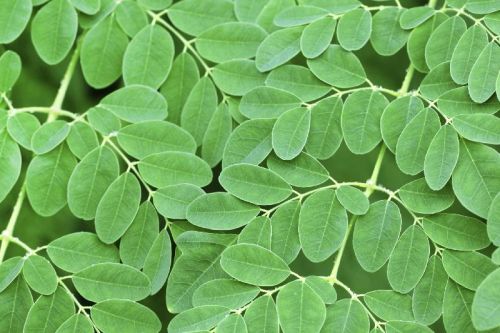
(9, 230)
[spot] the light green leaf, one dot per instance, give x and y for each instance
(258, 232)
(408, 260)
(254, 265)
(267, 102)
(285, 240)
(81, 139)
(299, 15)
(290, 133)
(361, 120)
(419, 198)
(198, 319)
(337, 7)
(437, 82)
(224, 292)
(346, 316)
(380, 227)
(10, 69)
(89, 7)
(457, 309)
(468, 269)
(323, 288)
(10, 164)
(16, 302)
(77, 323)
(468, 48)
(254, 184)
(9, 270)
(493, 225)
(232, 324)
(474, 179)
(49, 136)
(353, 200)
(441, 157)
(53, 30)
(158, 260)
(139, 237)
(492, 21)
(302, 171)
(248, 11)
(484, 72)
(387, 36)
(131, 17)
(124, 316)
(354, 30)
(300, 309)
(482, 7)
(485, 310)
(40, 275)
(218, 132)
(457, 101)
(77, 251)
(483, 128)
(103, 120)
(277, 48)
(261, 316)
(171, 168)
(14, 16)
(89, 180)
(427, 299)
(415, 140)
(317, 36)
(443, 40)
(49, 312)
(338, 68)
(406, 327)
(155, 4)
(237, 77)
(172, 201)
(389, 305)
(102, 52)
(495, 257)
(322, 225)
(136, 103)
(117, 208)
(21, 127)
(105, 281)
(415, 16)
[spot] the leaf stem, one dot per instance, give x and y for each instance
(9, 230)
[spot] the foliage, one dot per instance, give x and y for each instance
(203, 172)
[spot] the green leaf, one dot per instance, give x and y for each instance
(102, 52)
(21, 127)
(199, 108)
(299, 15)
(49, 136)
(387, 36)
(267, 102)
(53, 30)
(406, 326)
(415, 16)
(16, 302)
(230, 41)
(290, 133)
(195, 16)
(9, 270)
(117, 208)
(415, 140)
(354, 30)
(258, 231)
(484, 72)
(437, 82)
(389, 305)
(173, 167)
(419, 198)
(218, 132)
(139, 237)
(338, 68)
(300, 309)
(47, 178)
(456, 232)
(353, 200)
(277, 48)
(136, 103)
(254, 184)
(254, 265)
(317, 36)
(198, 319)
(322, 225)
(89, 7)
(49, 312)
(346, 316)
(443, 40)
(77, 323)
(492, 21)
(248, 11)
(105, 281)
(14, 16)
(155, 4)
(323, 288)
(485, 310)
(468, 269)
(297, 80)
(10, 70)
(77, 251)
(325, 134)
(408, 260)
(237, 77)
(483, 128)
(427, 299)
(474, 179)
(158, 260)
(441, 157)
(493, 225)
(148, 57)
(285, 240)
(380, 226)
(495, 257)
(172, 201)
(224, 292)
(10, 164)
(131, 17)
(457, 101)
(232, 324)
(468, 49)
(302, 171)
(261, 316)
(361, 120)
(124, 316)
(396, 116)
(103, 120)
(81, 139)
(40, 275)
(482, 7)
(457, 305)
(89, 180)
(337, 7)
